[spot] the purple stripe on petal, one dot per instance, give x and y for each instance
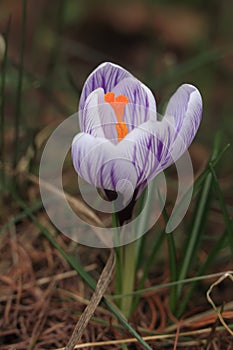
(105, 76)
(185, 108)
(155, 146)
(179, 102)
(112, 179)
(140, 143)
(98, 118)
(101, 178)
(134, 155)
(141, 106)
(146, 157)
(159, 148)
(102, 164)
(89, 118)
(136, 92)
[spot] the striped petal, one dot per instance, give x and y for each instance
(147, 147)
(142, 105)
(98, 118)
(102, 164)
(106, 76)
(155, 145)
(185, 108)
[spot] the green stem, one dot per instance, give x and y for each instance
(128, 276)
(148, 265)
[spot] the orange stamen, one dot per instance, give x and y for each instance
(118, 104)
(122, 99)
(122, 130)
(109, 97)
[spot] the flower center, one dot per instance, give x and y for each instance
(118, 104)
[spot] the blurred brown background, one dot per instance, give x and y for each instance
(164, 43)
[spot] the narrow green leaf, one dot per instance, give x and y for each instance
(141, 242)
(18, 113)
(2, 107)
(201, 179)
(198, 222)
(14, 220)
(226, 215)
(148, 265)
(172, 263)
(210, 258)
(169, 285)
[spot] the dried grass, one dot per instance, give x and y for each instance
(41, 299)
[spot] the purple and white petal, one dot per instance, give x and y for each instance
(136, 92)
(101, 164)
(148, 147)
(107, 76)
(158, 144)
(89, 118)
(141, 106)
(185, 108)
(98, 118)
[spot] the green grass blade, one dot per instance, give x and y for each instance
(148, 265)
(2, 107)
(226, 215)
(118, 254)
(55, 53)
(18, 113)
(14, 220)
(169, 285)
(201, 179)
(210, 258)
(173, 270)
(197, 229)
(172, 264)
(198, 222)
(141, 241)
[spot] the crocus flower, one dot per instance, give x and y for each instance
(122, 144)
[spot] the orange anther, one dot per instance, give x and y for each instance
(109, 97)
(122, 99)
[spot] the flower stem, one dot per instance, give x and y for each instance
(128, 266)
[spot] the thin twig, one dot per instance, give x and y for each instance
(147, 338)
(101, 287)
(228, 274)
